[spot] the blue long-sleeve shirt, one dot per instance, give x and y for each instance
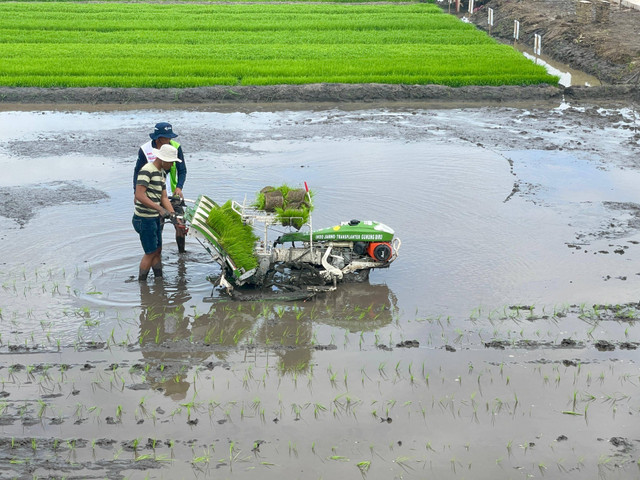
(181, 168)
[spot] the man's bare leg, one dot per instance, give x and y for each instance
(148, 261)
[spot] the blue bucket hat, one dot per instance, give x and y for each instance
(163, 129)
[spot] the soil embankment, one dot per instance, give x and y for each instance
(600, 38)
(343, 93)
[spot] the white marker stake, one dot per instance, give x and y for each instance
(537, 45)
(470, 6)
(490, 19)
(516, 29)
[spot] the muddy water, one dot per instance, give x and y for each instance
(568, 76)
(514, 222)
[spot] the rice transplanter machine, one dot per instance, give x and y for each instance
(303, 260)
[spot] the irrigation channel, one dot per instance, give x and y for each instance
(501, 344)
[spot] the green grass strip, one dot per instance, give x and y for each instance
(69, 44)
(237, 239)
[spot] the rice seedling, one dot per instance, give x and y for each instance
(402, 463)
(237, 239)
(42, 408)
(364, 467)
(95, 410)
(338, 458)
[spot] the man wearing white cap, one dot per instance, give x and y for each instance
(163, 134)
(152, 206)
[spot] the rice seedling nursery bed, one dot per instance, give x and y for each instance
(186, 45)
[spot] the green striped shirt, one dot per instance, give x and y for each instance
(154, 179)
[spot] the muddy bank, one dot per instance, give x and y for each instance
(324, 92)
(600, 39)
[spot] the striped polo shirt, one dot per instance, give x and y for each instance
(154, 179)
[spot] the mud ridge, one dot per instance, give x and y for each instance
(320, 92)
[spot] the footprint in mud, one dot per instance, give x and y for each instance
(499, 344)
(51, 395)
(568, 343)
(609, 277)
(619, 442)
(326, 347)
(604, 346)
(105, 442)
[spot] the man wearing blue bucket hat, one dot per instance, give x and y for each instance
(163, 134)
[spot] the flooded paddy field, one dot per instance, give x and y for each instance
(502, 343)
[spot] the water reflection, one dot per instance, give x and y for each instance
(358, 307)
(173, 340)
(163, 318)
